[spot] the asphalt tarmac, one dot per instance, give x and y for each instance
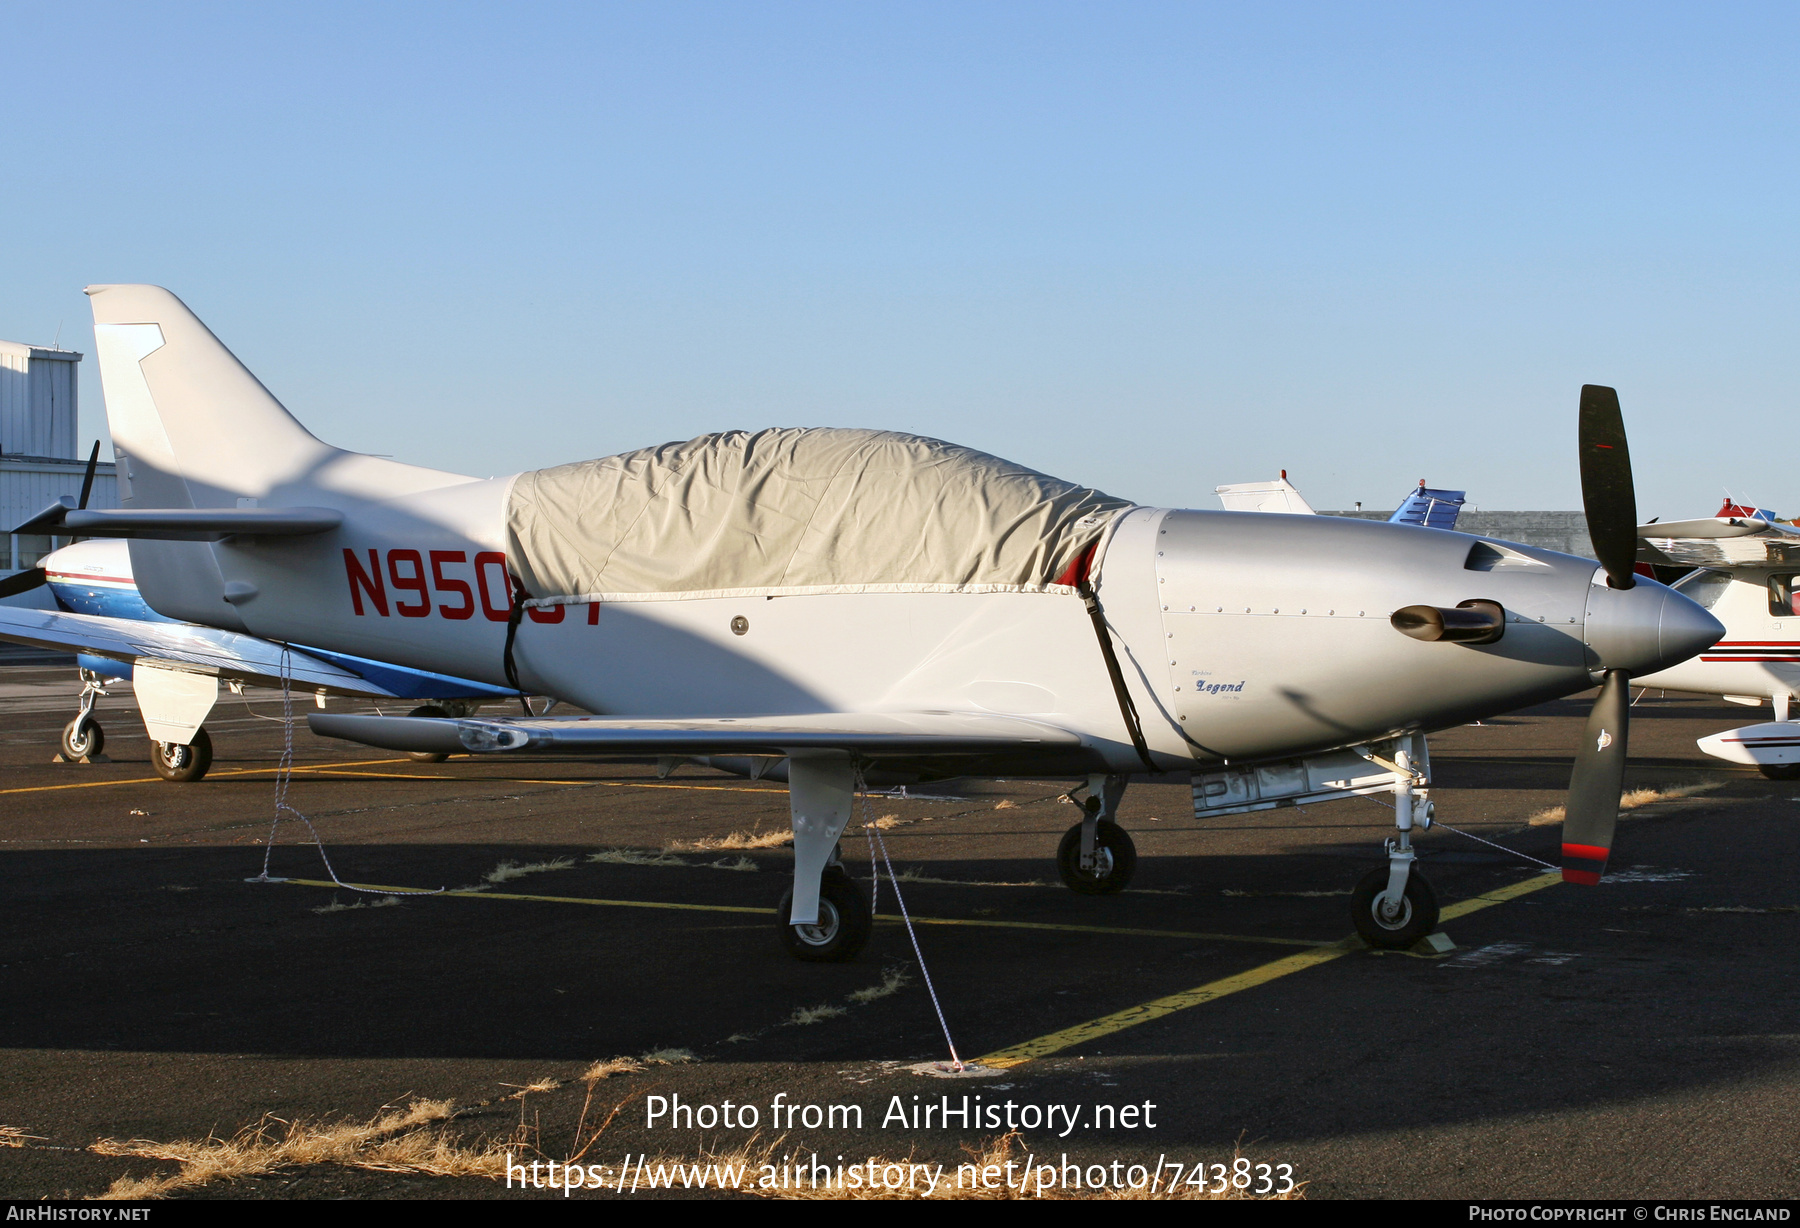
(1636, 1039)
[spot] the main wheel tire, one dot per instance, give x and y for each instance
(1780, 771)
(182, 764)
(427, 756)
(1418, 910)
(843, 926)
(1115, 860)
(82, 737)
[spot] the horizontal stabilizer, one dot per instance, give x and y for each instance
(1773, 743)
(63, 518)
(1718, 542)
(874, 735)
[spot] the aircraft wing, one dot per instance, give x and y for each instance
(870, 734)
(1720, 542)
(228, 654)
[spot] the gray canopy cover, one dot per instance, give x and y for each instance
(796, 510)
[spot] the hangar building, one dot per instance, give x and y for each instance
(40, 450)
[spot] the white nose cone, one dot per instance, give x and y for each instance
(1644, 628)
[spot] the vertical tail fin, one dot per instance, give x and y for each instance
(191, 425)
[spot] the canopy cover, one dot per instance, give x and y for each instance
(796, 510)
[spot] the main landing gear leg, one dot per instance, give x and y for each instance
(82, 737)
(1096, 857)
(824, 917)
(1395, 907)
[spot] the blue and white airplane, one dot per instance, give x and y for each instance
(178, 666)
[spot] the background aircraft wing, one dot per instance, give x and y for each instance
(1720, 542)
(228, 654)
(875, 735)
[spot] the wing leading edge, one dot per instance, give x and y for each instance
(229, 654)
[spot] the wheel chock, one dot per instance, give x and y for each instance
(58, 758)
(1434, 944)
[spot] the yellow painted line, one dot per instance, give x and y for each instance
(1107, 929)
(1106, 1025)
(1500, 895)
(769, 912)
(150, 780)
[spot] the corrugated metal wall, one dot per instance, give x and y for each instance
(38, 410)
(28, 487)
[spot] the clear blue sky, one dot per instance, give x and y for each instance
(1150, 247)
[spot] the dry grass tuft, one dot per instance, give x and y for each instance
(1008, 804)
(506, 871)
(892, 979)
(1632, 800)
(634, 857)
(636, 1065)
(14, 1136)
(611, 1067)
(405, 1140)
(535, 1087)
(886, 822)
(742, 864)
(804, 1015)
(773, 838)
(386, 901)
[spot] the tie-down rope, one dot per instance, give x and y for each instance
(284, 775)
(872, 830)
(1436, 822)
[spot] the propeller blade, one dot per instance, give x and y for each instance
(1607, 495)
(1597, 782)
(87, 479)
(23, 582)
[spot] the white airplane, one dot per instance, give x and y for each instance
(840, 600)
(1748, 576)
(102, 618)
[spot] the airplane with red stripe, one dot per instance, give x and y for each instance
(1746, 572)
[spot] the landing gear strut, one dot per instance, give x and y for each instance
(823, 918)
(1394, 907)
(1096, 856)
(82, 738)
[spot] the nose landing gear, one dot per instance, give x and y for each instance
(1393, 908)
(82, 738)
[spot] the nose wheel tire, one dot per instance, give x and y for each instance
(1417, 916)
(179, 763)
(427, 756)
(82, 737)
(1115, 860)
(842, 928)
